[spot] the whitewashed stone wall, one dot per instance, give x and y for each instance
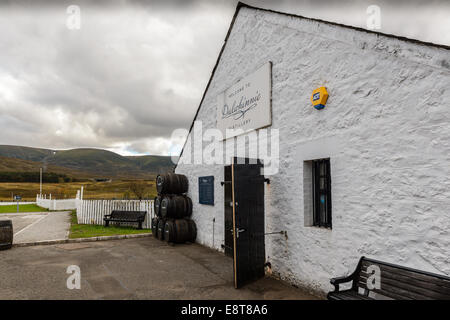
(54, 204)
(386, 128)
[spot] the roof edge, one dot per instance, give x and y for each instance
(389, 35)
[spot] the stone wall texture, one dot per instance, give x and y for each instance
(386, 129)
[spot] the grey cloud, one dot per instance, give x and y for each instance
(137, 69)
(101, 78)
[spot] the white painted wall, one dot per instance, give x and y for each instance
(67, 204)
(385, 128)
(54, 204)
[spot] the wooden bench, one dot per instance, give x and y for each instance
(125, 216)
(396, 283)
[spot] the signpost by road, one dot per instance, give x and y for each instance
(17, 198)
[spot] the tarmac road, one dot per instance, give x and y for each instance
(39, 226)
(143, 268)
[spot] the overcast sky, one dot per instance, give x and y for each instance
(136, 70)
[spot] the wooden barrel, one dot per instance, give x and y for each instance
(169, 231)
(180, 231)
(189, 206)
(6, 234)
(176, 207)
(161, 225)
(157, 205)
(155, 227)
(171, 183)
(192, 230)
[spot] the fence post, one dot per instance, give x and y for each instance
(85, 211)
(88, 209)
(91, 211)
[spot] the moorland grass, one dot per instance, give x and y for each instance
(22, 208)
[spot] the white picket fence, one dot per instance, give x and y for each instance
(93, 211)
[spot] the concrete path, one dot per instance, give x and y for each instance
(39, 226)
(142, 268)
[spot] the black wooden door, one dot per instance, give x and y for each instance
(228, 211)
(248, 222)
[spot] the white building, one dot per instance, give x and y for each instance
(385, 130)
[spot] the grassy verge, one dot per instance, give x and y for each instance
(22, 208)
(89, 230)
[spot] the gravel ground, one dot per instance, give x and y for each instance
(143, 268)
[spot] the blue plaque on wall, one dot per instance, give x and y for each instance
(206, 190)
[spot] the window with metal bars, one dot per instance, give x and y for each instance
(321, 193)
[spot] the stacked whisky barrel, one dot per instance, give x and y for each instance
(173, 210)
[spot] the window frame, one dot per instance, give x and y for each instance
(324, 221)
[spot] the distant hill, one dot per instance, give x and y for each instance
(83, 162)
(24, 153)
(19, 165)
(159, 164)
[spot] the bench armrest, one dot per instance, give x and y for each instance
(107, 216)
(338, 280)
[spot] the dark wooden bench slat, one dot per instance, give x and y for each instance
(125, 216)
(431, 290)
(389, 290)
(431, 283)
(441, 280)
(422, 282)
(128, 214)
(393, 294)
(397, 282)
(394, 291)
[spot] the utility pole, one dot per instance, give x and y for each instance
(40, 181)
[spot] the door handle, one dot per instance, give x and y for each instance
(239, 231)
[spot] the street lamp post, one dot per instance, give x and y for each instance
(40, 182)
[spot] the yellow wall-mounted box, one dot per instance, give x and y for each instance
(319, 98)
